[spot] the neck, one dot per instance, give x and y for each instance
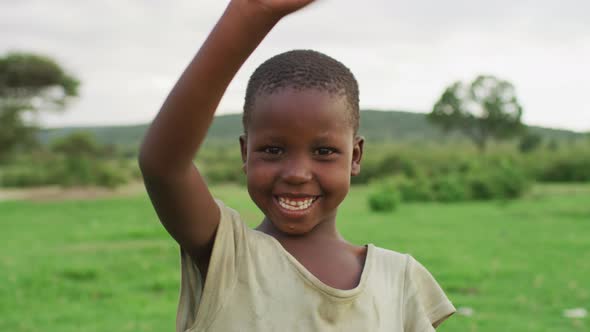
(323, 231)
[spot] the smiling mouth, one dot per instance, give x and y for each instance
(296, 204)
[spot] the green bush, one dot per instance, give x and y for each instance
(498, 180)
(38, 168)
(109, 176)
(369, 171)
(385, 198)
(224, 173)
(77, 144)
(530, 142)
(23, 177)
(66, 172)
(572, 169)
(481, 186)
(512, 181)
(76, 172)
(135, 171)
(85, 172)
(450, 188)
(418, 189)
(221, 163)
(395, 164)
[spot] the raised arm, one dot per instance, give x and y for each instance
(177, 190)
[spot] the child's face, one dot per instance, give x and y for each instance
(299, 155)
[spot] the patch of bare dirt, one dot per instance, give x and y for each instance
(56, 193)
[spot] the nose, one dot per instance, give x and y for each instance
(297, 171)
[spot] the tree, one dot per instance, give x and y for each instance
(483, 110)
(29, 83)
(78, 144)
(529, 142)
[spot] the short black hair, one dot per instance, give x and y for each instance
(303, 69)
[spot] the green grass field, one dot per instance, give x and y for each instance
(108, 265)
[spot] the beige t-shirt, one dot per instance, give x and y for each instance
(254, 284)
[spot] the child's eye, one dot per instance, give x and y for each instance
(324, 151)
(273, 150)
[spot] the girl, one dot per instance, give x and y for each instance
(300, 147)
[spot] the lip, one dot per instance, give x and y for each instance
(295, 213)
(296, 195)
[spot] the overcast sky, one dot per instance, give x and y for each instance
(128, 54)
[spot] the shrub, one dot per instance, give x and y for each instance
(26, 177)
(76, 145)
(572, 169)
(511, 181)
(450, 188)
(369, 171)
(501, 179)
(83, 162)
(466, 180)
(85, 172)
(385, 198)
(417, 189)
(227, 172)
(76, 171)
(109, 176)
(67, 173)
(135, 171)
(529, 142)
(481, 186)
(395, 164)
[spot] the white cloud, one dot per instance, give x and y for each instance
(128, 54)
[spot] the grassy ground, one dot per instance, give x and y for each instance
(108, 265)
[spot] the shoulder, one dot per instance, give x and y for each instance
(390, 261)
(234, 231)
(402, 263)
(390, 255)
(424, 301)
(387, 271)
(231, 220)
(401, 266)
(235, 248)
(227, 213)
(425, 295)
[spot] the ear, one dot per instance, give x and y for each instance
(357, 155)
(244, 150)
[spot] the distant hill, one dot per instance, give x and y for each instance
(375, 126)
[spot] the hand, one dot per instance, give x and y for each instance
(280, 7)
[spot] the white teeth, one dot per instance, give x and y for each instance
(295, 205)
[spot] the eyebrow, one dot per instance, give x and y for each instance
(272, 137)
(323, 139)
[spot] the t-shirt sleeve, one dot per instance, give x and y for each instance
(425, 303)
(206, 300)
